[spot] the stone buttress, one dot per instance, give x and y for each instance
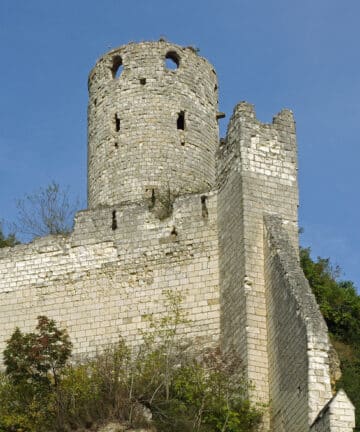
(268, 312)
(257, 175)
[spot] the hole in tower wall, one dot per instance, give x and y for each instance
(180, 123)
(117, 123)
(204, 210)
(172, 60)
(152, 199)
(114, 221)
(117, 66)
(142, 81)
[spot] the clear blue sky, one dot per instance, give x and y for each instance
(302, 55)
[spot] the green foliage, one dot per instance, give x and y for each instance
(187, 391)
(350, 380)
(340, 306)
(162, 378)
(209, 393)
(34, 363)
(8, 241)
(37, 357)
(24, 407)
(350, 366)
(338, 300)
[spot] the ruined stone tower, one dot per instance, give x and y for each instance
(171, 207)
(151, 129)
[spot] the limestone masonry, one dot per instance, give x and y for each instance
(172, 207)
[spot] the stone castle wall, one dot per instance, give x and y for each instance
(100, 283)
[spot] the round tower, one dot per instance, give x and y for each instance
(152, 125)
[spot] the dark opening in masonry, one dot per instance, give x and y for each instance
(116, 145)
(181, 120)
(172, 60)
(114, 221)
(204, 210)
(153, 197)
(174, 232)
(95, 102)
(117, 66)
(117, 123)
(142, 81)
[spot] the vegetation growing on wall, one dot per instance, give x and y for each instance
(340, 306)
(7, 241)
(161, 383)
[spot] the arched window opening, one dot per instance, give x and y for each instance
(172, 60)
(117, 66)
(180, 123)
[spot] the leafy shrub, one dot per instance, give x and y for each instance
(206, 392)
(209, 393)
(7, 241)
(162, 383)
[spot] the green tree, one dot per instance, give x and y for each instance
(338, 300)
(34, 365)
(340, 305)
(38, 357)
